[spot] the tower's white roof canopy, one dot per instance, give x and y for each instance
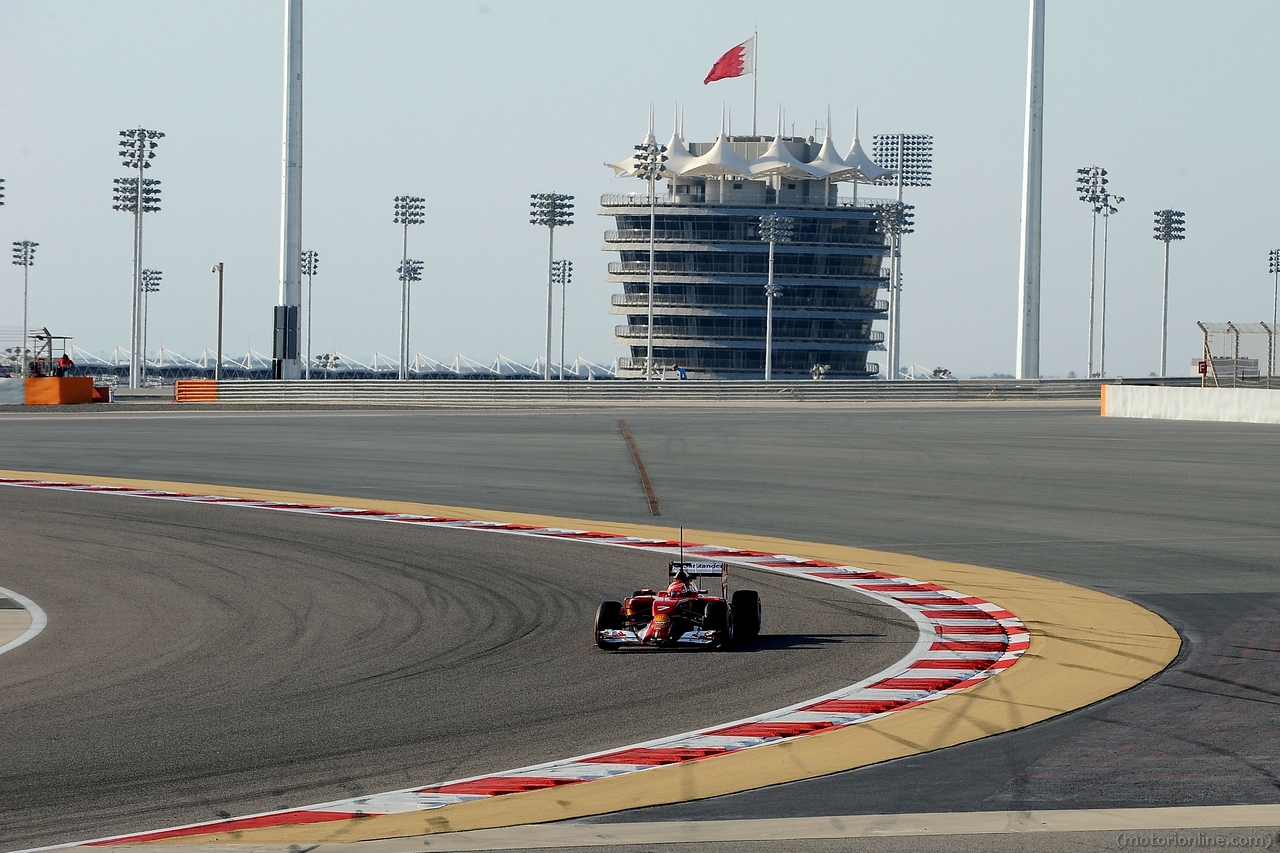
(627, 168)
(830, 165)
(858, 159)
(678, 159)
(678, 156)
(721, 161)
(778, 160)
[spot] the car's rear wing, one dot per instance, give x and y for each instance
(704, 570)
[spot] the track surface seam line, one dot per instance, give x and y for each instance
(649, 494)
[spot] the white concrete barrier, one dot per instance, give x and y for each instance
(13, 391)
(1244, 405)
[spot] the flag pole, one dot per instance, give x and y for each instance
(755, 76)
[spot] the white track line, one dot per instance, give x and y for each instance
(961, 641)
(38, 620)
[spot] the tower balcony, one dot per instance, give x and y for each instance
(641, 200)
(825, 303)
(630, 335)
(708, 266)
(639, 238)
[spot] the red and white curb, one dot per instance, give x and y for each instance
(963, 641)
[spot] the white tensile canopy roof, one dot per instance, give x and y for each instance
(627, 168)
(678, 156)
(778, 160)
(858, 159)
(830, 165)
(720, 161)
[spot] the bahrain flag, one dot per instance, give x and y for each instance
(738, 61)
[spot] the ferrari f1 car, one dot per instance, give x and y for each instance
(682, 615)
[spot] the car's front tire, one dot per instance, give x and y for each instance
(716, 618)
(608, 616)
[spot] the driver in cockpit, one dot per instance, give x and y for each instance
(682, 585)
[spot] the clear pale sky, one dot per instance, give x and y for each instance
(475, 106)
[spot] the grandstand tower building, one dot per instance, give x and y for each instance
(711, 266)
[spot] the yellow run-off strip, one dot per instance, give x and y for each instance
(1085, 646)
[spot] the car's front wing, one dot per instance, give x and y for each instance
(622, 637)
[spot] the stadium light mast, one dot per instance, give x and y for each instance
(552, 210)
(410, 271)
(1170, 226)
(1091, 183)
(1106, 205)
(774, 229)
(284, 356)
(1274, 265)
(563, 271)
(24, 255)
(896, 219)
(150, 285)
(217, 367)
(310, 266)
(910, 157)
(649, 159)
(137, 195)
(1028, 346)
(409, 210)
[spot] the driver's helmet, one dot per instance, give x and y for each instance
(681, 584)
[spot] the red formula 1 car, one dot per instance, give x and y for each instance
(681, 615)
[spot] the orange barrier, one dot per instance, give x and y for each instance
(195, 391)
(58, 390)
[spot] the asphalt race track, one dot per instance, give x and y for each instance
(1178, 516)
(203, 660)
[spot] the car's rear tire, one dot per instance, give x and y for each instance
(608, 615)
(746, 614)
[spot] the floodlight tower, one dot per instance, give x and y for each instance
(408, 211)
(217, 365)
(649, 159)
(1274, 264)
(309, 267)
(910, 157)
(150, 285)
(410, 271)
(896, 219)
(137, 195)
(563, 272)
(1170, 226)
(1091, 183)
(1106, 205)
(553, 210)
(774, 229)
(24, 255)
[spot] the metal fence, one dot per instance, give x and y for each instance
(1238, 355)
